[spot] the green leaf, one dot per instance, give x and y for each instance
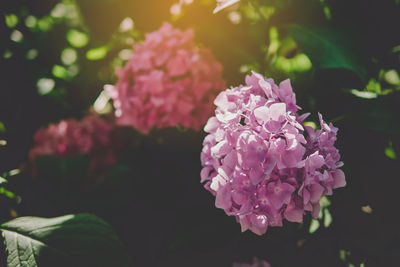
(363, 94)
(97, 53)
(326, 48)
(7, 193)
(2, 127)
(392, 77)
(314, 225)
(77, 39)
(59, 72)
(324, 202)
(45, 23)
(389, 151)
(11, 20)
(3, 180)
(299, 63)
(327, 218)
(70, 240)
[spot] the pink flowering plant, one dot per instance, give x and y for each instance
(169, 81)
(68, 138)
(261, 162)
(256, 263)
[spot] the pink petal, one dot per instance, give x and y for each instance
(212, 125)
(338, 179)
(223, 198)
(316, 191)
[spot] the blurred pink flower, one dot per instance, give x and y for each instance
(89, 136)
(169, 81)
(258, 160)
(256, 263)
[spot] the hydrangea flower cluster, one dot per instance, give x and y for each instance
(169, 81)
(261, 162)
(256, 263)
(70, 137)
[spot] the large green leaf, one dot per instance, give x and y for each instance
(327, 48)
(70, 240)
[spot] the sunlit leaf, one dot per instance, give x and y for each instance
(363, 94)
(392, 77)
(248, 68)
(389, 151)
(102, 104)
(373, 86)
(274, 42)
(97, 53)
(342, 255)
(77, 39)
(45, 24)
(73, 70)
(32, 54)
(3, 180)
(14, 172)
(69, 56)
(126, 24)
(2, 127)
(7, 54)
(16, 36)
(11, 20)
(327, 13)
(30, 21)
(59, 72)
(45, 85)
(327, 218)
(310, 124)
(266, 11)
(314, 225)
(298, 63)
(326, 48)
(59, 10)
(251, 13)
(235, 17)
(125, 54)
(324, 202)
(367, 209)
(7, 193)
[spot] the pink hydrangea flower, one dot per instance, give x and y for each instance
(70, 137)
(256, 263)
(169, 81)
(260, 161)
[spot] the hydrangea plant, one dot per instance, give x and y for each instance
(261, 162)
(169, 81)
(90, 136)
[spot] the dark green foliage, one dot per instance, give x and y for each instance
(327, 48)
(71, 240)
